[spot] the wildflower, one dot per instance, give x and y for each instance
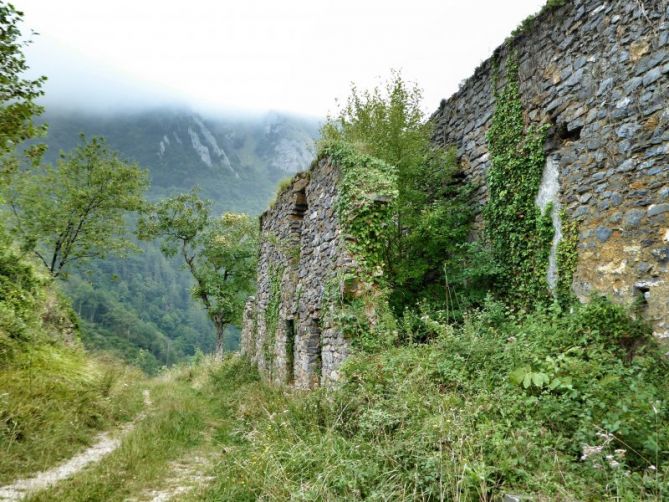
(589, 451)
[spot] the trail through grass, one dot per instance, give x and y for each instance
(55, 402)
(165, 454)
(447, 420)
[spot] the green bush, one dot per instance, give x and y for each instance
(542, 405)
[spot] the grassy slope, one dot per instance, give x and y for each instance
(184, 415)
(54, 397)
(53, 401)
(456, 419)
(447, 421)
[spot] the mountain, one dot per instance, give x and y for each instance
(140, 307)
(236, 162)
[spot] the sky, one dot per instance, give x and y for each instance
(293, 56)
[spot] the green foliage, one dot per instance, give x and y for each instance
(176, 428)
(17, 94)
(387, 123)
(140, 309)
(425, 243)
(529, 22)
(567, 258)
(365, 206)
(366, 209)
(361, 311)
(517, 232)
(77, 209)
(21, 294)
(437, 263)
(220, 253)
(272, 315)
(54, 400)
(142, 301)
(543, 405)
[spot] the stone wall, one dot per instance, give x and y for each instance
(598, 73)
(302, 252)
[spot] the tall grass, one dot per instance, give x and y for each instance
(181, 418)
(450, 420)
(53, 401)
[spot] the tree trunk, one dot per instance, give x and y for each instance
(220, 332)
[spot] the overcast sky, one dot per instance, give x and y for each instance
(286, 55)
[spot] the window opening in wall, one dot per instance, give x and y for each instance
(563, 133)
(300, 202)
(642, 290)
(290, 351)
(315, 349)
(296, 216)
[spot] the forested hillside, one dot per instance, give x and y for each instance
(140, 307)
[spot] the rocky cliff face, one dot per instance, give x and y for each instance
(598, 73)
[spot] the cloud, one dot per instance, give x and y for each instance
(293, 55)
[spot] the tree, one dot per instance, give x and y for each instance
(432, 218)
(17, 94)
(76, 209)
(220, 253)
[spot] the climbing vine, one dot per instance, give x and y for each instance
(567, 258)
(361, 313)
(518, 233)
(357, 303)
(365, 206)
(272, 315)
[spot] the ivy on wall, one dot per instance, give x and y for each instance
(518, 233)
(567, 258)
(365, 205)
(357, 303)
(272, 316)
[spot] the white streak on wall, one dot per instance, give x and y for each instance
(549, 191)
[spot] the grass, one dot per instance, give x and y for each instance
(54, 400)
(450, 421)
(179, 420)
(553, 406)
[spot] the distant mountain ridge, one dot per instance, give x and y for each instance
(236, 162)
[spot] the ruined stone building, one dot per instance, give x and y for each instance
(304, 256)
(300, 248)
(596, 72)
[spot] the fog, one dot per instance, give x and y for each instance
(256, 55)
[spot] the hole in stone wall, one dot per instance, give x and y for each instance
(290, 351)
(300, 205)
(296, 216)
(561, 132)
(642, 293)
(565, 134)
(316, 348)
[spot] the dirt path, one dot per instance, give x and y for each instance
(104, 445)
(185, 475)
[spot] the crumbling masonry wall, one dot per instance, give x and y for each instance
(598, 72)
(285, 331)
